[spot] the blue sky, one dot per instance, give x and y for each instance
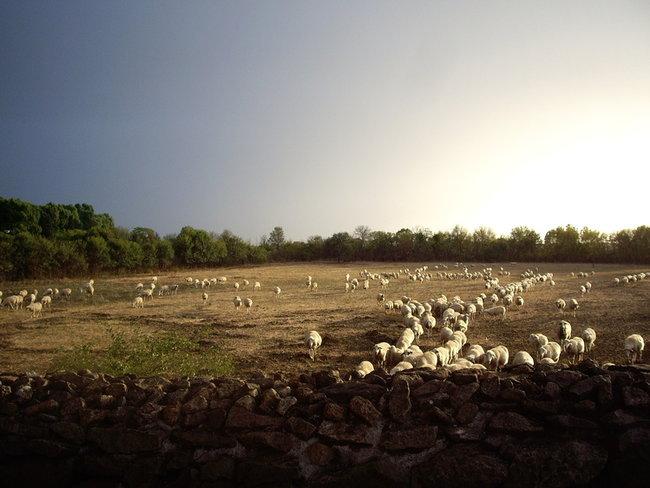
(319, 116)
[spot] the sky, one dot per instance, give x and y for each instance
(321, 116)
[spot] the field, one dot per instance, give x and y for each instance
(270, 337)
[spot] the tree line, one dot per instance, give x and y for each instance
(71, 240)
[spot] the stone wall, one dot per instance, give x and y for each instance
(558, 427)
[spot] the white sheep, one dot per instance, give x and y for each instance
(560, 304)
(519, 301)
(257, 286)
(46, 301)
(496, 311)
(380, 297)
(380, 352)
(537, 340)
(237, 302)
(563, 331)
(401, 366)
(66, 293)
(204, 297)
(475, 353)
(236, 286)
(583, 290)
(139, 287)
(138, 302)
(521, 358)
(634, 346)
(277, 290)
(245, 282)
(550, 351)
(445, 334)
(574, 348)
(314, 285)
(36, 308)
(364, 368)
(313, 341)
(573, 306)
(589, 336)
(496, 358)
(147, 293)
(248, 303)
(405, 340)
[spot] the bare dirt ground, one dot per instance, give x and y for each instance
(270, 337)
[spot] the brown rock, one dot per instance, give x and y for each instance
(463, 394)
(399, 403)
(300, 427)
(42, 407)
(462, 465)
(240, 418)
(512, 422)
(170, 414)
(269, 400)
(332, 411)
(69, 431)
(635, 397)
(199, 402)
(464, 377)
(466, 413)
(320, 454)
(553, 463)
(427, 389)
(218, 469)
(116, 389)
(90, 416)
(280, 441)
(416, 438)
(341, 432)
(491, 386)
(285, 404)
(470, 432)
(247, 402)
(203, 438)
(124, 441)
(344, 392)
(552, 390)
(365, 410)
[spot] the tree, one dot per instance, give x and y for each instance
(524, 244)
(362, 232)
(276, 238)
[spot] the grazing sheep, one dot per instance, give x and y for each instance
(574, 348)
(496, 358)
(189, 280)
(537, 340)
(277, 291)
(589, 336)
(237, 302)
(313, 341)
(245, 283)
(257, 286)
(163, 290)
(314, 285)
(560, 304)
(147, 293)
(36, 308)
(364, 368)
(380, 297)
(496, 311)
(519, 301)
(445, 334)
(13, 301)
(573, 306)
(521, 358)
(417, 331)
(401, 366)
(308, 281)
(380, 352)
(46, 301)
(347, 287)
(138, 302)
(583, 290)
(443, 355)
(563, 331)
(547, 360)
(204, 297)
(475, 353)
(588, 286)
(428, 321)
(236, 285)
(428, 359)
(405, 340)
(139, 287)
(248, 303)
(66, 293)
(634, 346)
(551, 351)
(388, 306)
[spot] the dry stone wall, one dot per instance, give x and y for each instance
(557, 427)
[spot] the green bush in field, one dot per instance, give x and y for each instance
(169, 354)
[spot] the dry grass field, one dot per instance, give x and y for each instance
(270, 337)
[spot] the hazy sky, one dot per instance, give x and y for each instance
(319, 116)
